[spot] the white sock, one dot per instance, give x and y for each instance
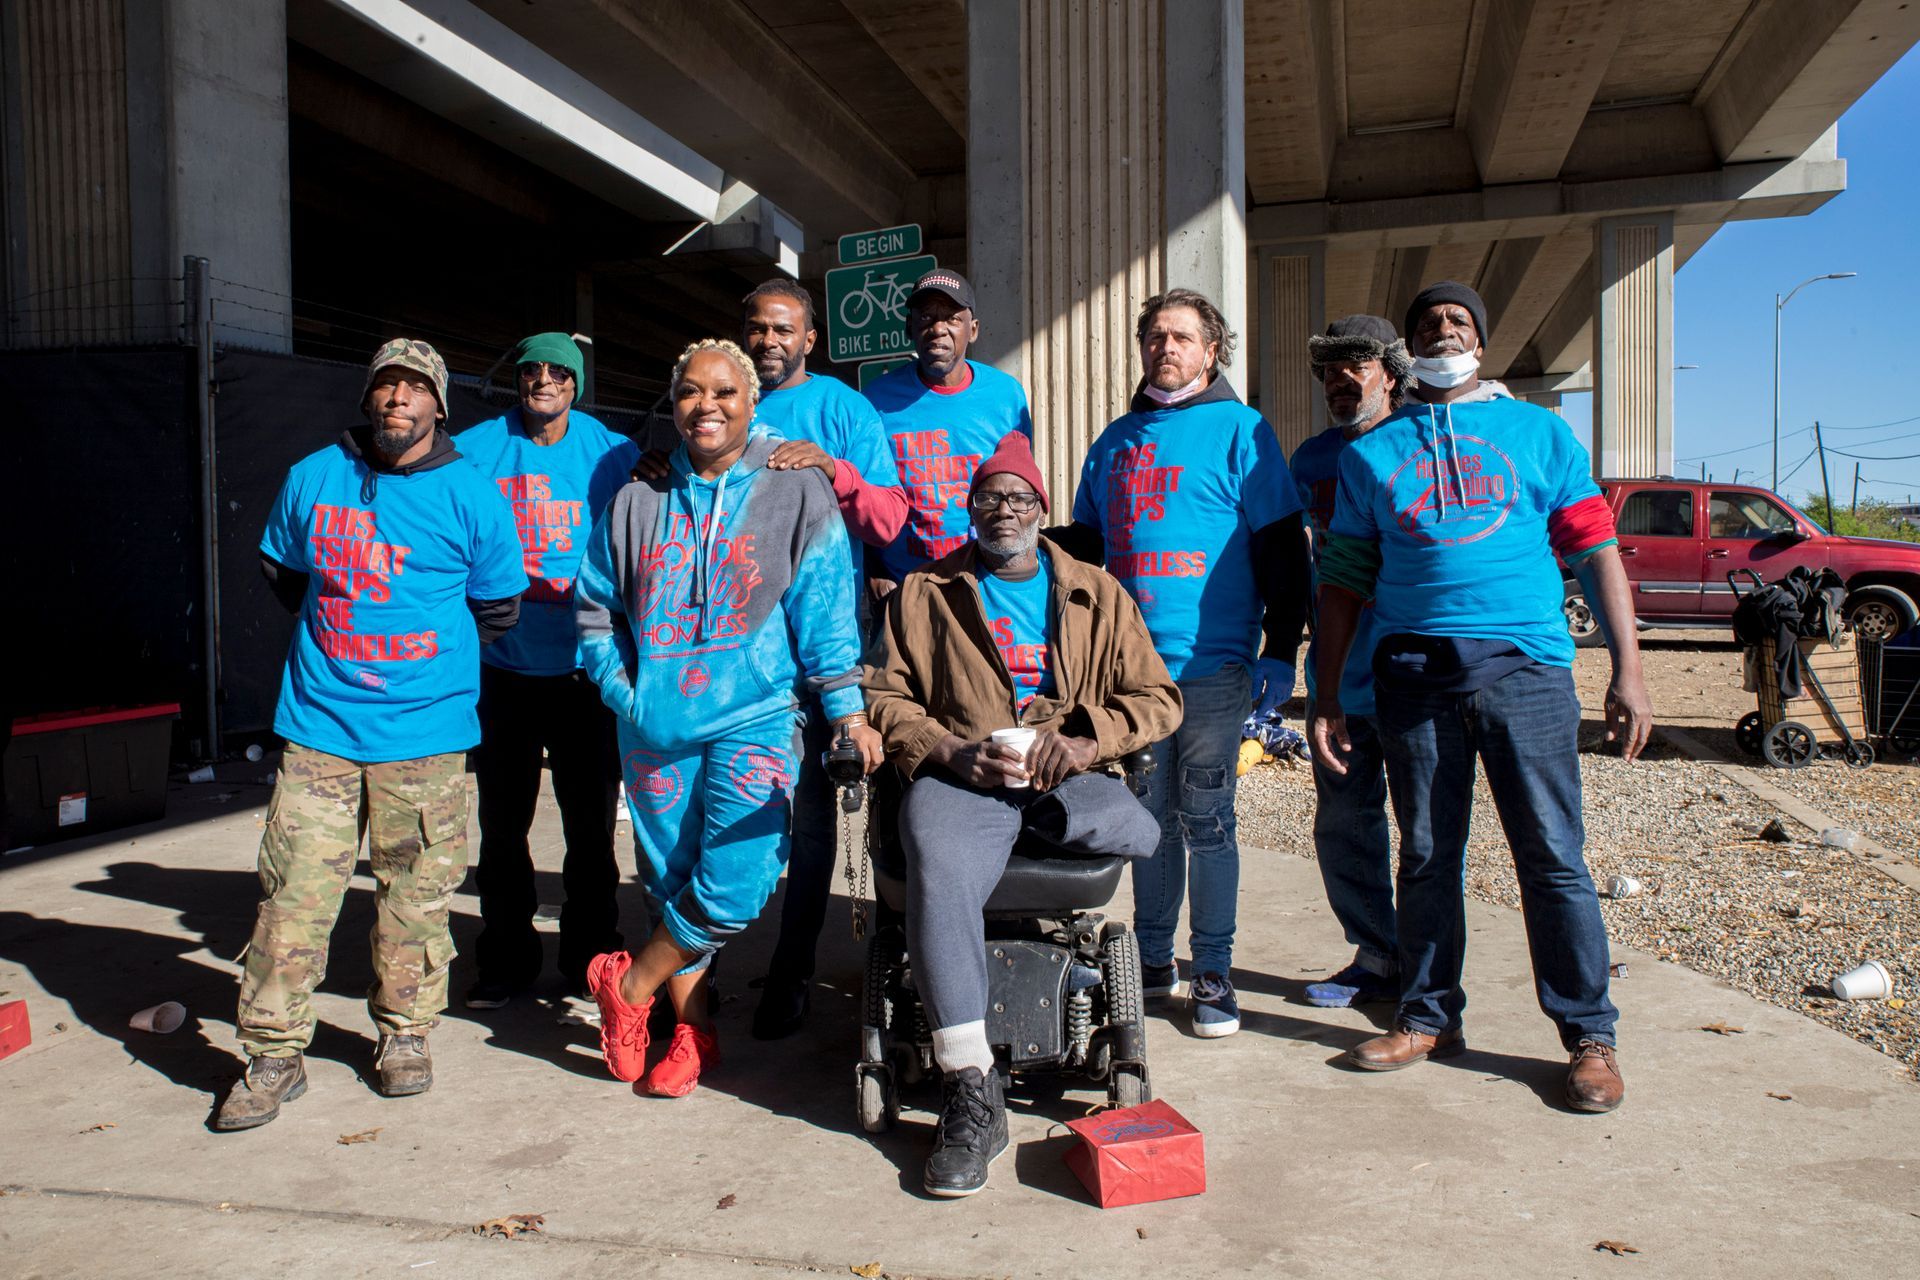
(957, 1048)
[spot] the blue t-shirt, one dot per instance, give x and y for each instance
(1022, 627)
(1177, 494)
(939, 438)
(827, 412)
(556, 492)
(384, 663)
(1458, 498)
(1316, 474)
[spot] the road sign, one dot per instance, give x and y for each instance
(878, 368)
(887, 242)
(867, 308)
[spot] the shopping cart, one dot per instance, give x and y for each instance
(1788, 732)
(1890, 688)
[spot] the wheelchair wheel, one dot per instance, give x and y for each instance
(1127, 1084)
(878, 1094)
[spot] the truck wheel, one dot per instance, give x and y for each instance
(1876, 617)
(1582, 624)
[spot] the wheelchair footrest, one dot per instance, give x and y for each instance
(1026, 994)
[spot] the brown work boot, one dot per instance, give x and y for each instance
(403, 1065)
(256, 1096)
(1593, 1078)
(1403, 1046)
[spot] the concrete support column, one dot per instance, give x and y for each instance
(1205, 150)
(1633, 346)
(207, 117)
(1291, 300)
(1110, 117)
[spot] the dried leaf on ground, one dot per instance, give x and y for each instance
(100, 1128)
(1141, 1232)
(871, 1270)
(1780, 1097)
(1775, 832)
(365, 1135)
(1614, 1247)
(1722, 1029)
(727, 1201)
(512, 1226)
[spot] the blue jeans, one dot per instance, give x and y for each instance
(1354, 844)
(1525, 727)
(1190, 795)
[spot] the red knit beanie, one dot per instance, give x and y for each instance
(1013, 455)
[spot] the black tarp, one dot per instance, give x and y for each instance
(105, 540)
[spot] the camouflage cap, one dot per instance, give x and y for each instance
(409, 353)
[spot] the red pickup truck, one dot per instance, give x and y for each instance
(1680, 538)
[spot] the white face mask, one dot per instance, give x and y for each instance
(1175, 397)
(1443, 373)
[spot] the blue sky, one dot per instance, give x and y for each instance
(1847, 346)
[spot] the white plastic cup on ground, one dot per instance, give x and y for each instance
(203, 774)
(1839, 838)
(1870, 981)
(1020, 740)
(161, 1020)
(1622, 887)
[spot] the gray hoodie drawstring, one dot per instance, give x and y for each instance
(1452, 462)
(705, 540)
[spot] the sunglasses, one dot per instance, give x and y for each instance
(535, 370)
(1019, 503)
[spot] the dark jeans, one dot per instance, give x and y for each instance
(1524, 727)
(1353, 842)
(810, 865)
(519, 716)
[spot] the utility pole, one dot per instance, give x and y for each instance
(1826, 491)
(1856, 490)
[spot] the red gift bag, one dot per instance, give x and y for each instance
(1138, 1154)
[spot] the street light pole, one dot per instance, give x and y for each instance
(1779, 305)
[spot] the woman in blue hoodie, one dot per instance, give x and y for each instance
(709, 599)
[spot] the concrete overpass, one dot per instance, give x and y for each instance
(638, 162)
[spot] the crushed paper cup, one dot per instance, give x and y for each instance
(162, 1020)
(1622, 887)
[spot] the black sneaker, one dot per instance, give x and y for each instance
(486, 994)
(782, 1009)
(972, 1133)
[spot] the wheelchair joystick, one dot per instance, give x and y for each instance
(1139, 766)
(846, 769)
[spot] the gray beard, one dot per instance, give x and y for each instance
(1366, 411)
(1016, 546)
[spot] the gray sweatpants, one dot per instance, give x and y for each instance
(957, 841)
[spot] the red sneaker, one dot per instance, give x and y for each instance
(692, 1049)
(623, 1026)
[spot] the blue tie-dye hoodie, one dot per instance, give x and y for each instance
(706, 605)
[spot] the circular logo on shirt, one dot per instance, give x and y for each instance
(695, 679)
(652, 783)
(759, 772)
(1462, 495)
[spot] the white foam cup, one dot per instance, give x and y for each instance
(1622, 887)
(1870, 981)
(1020, 740)
(161, 1020)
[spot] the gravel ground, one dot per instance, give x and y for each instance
(1775, 920)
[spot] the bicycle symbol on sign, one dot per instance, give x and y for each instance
(881, 293)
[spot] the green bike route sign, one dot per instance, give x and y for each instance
(867, 307)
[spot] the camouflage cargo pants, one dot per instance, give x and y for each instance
(415, 815)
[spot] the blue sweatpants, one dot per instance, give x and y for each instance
(711, 825)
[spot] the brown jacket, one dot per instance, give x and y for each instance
(934, 668)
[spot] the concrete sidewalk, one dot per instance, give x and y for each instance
(1467, 1167)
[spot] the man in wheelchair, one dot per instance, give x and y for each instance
(1006, 632)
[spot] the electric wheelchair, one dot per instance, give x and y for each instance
(1064, 984)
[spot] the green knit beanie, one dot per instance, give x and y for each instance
(554, 348)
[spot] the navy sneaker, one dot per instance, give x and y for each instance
(1352, 985)
(1215, 1012)
(1159, 981)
